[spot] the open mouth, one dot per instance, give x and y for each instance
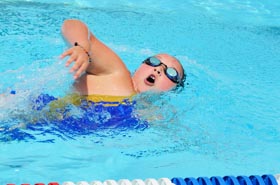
(150, 80)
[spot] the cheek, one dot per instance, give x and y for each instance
(165, 84)
(141, 71)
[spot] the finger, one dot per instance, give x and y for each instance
(77, 65)
(71, 59)
(80, 60)
(80, 70)
(66, 53)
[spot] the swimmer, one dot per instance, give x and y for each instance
(98, 70)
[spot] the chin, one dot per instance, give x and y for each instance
(145, 89)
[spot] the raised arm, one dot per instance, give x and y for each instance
(104, 60)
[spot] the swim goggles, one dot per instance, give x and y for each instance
(171, 73)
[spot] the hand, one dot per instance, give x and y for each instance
(79, 57)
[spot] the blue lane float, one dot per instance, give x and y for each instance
(257, 180)
(191, 181)
(227, 180)
(216, 180)
(244, 180)
(203, 180)
(178, 181)
(269, 179)
(231, 180)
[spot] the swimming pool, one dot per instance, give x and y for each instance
(225, 122)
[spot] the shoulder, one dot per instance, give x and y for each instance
(116, 83)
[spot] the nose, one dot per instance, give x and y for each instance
(158, 70)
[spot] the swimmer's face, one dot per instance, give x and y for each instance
(149, 78)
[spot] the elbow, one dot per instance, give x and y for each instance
(67, 24)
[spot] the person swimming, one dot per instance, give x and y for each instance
(98, 70)
(100, 74)
(103, 87)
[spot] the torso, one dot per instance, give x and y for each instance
(114, 85)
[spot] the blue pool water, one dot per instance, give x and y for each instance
(225, 122)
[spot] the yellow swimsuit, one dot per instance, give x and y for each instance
(77, 99)
(112, 100)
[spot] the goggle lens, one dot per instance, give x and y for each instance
(171, 72)
(154, 61)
